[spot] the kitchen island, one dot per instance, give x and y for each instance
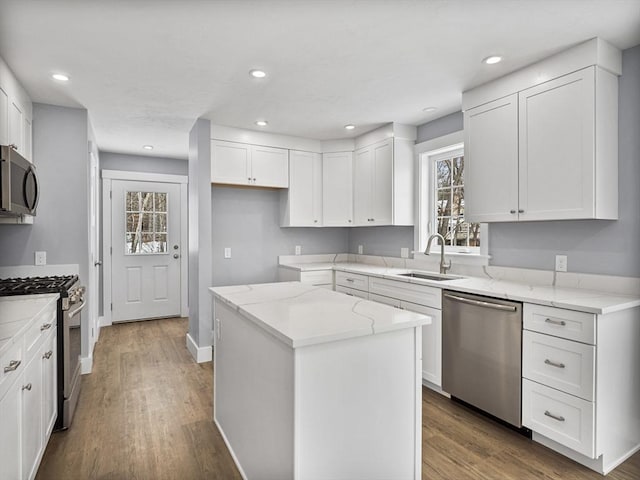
(315, 384)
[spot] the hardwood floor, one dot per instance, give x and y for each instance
(145, 413)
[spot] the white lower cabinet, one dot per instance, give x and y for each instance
(408, 296)
(581, 383)
(28, 400)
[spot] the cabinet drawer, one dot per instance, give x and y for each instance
(394, 302)
(12, 359)
(352, 280)
(352, 291)
(408, 292)
(578, 326)
(559, 363)
(321, 277)
(38, 330)
(561, 417)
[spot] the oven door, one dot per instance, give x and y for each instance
(19, 189)
(72, 342)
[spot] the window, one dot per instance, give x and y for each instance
(448, 215)
(146, 223)
(441, 204)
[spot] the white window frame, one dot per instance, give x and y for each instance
(427, 153)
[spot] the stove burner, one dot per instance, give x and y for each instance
(31, 285)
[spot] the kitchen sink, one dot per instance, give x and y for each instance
(438, 277)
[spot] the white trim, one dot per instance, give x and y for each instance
(199, 354)
(86, 364)
(144, 176)
(107, 177)
(105, 323)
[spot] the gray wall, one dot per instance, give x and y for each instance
(439, 127)
(200, 320)
(61, 226)
(592, 246)
(248, 221)
(386, 241)
(141, 163)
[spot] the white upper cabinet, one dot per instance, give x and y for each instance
(15, 113)
(4, 117)
(373, 184)
(383, 183)
(253, 165)
(301, 204)
(337, 189)
(491, 161)
(550, 151)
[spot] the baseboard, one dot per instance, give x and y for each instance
(86, 364)
(233, 454)
(103, 322)
(199, 354)
(435, 388)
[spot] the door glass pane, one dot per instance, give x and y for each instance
(146, 223)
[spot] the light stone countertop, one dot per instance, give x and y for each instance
(16, 312)
(300, 315)
(590, 301)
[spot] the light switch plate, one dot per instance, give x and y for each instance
(561, 263)
(298, 249)
(227, 252)
(404, 253)
(41, 258)
(360, 249)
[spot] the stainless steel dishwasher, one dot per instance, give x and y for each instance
(482, 353)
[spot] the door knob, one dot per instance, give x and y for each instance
(175, 247)
(98, 263)
(175, 255)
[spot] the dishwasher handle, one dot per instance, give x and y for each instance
(479, 303)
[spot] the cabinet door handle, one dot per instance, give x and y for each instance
(48, 354)
(562, 323)
(46, 326)
(349, 220)
(28, 386)
(254, 180)
(555, 417)
(315, 221)
(520, 211)
(512, 211)
(554, 364)
(249, 178)
(13, 365)
(350, 280)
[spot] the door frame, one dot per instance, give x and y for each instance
(108, 176)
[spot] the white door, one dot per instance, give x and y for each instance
(94, 249)
(305, 189)
(382, 193)
(337, 189)
(269, 167)
(145, 240)
(491, 161)
(230, 163)
(362, 183)
(557, 148)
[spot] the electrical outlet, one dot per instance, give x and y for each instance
(298, 249)
(227, 252)
(360, 249)
(561, 263)
(41, 258)
(404, 253)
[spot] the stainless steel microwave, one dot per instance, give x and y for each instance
(19, 190)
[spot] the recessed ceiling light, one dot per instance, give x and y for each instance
(349, 127)
(492, 59)
(429, 109)
(148, 147)
(262, 123)
(257, 73)
(61, 77)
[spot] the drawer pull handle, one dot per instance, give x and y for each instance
(46, 326)
(555, 417)
(13, 365)
(350, 280)
(562, 323)
(28, 386)
(48, 354)
(554, 364)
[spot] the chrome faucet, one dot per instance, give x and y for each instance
(444, 266)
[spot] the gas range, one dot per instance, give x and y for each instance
(66, 285)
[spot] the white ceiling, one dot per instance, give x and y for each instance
(145, 70)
